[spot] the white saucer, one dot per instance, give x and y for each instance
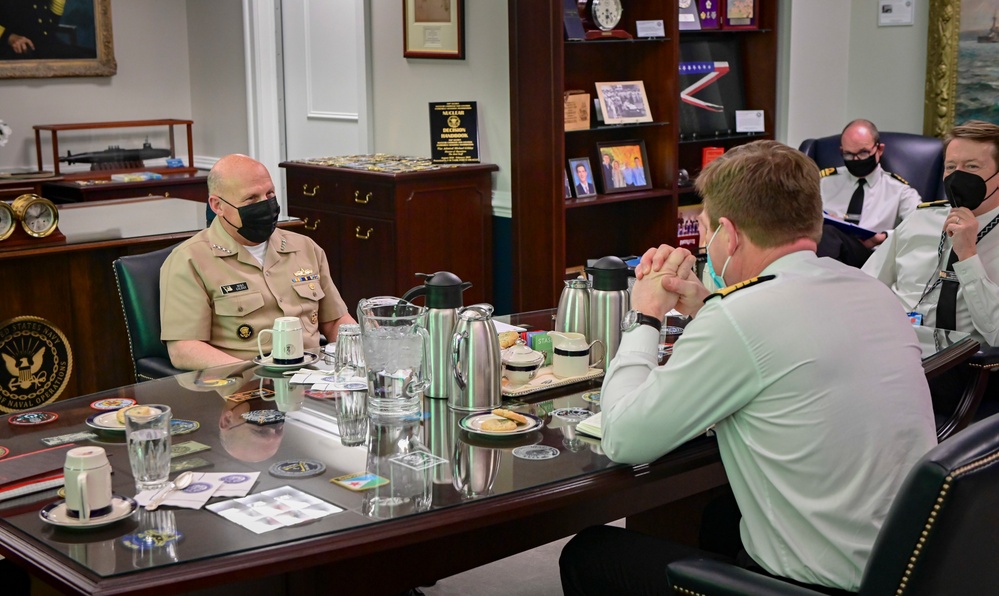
(308, 360)
(55, 514)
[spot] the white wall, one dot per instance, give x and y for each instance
(150, 38)
(218, 78)
(403, 88)
(841, 66)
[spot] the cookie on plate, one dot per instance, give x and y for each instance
(511, 415)
(499, 425)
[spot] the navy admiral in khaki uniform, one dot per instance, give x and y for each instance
(943, 261)
(812, 458)
(220, 288)
(862, 193)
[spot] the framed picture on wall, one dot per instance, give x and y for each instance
(582, 177)
(55, 39)
(624, 102)
(433, 29)
(624, 166)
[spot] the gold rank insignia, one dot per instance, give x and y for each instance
(303, 272)
(940, 203)
(899, 178)
(315, 317)
(827, 172)
(722, 293)
(244, 331)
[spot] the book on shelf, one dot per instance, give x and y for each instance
(591, 426)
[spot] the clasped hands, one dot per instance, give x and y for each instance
(666, 280)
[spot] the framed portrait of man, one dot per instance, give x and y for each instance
(582, 177)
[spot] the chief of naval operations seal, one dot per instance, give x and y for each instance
(37, 362)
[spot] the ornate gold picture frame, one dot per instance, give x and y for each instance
(943, 58)
(94, 41)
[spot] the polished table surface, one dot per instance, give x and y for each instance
(504, 505)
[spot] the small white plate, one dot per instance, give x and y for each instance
(106, 421)
(55, 514)
(308, 360)
(473, 424)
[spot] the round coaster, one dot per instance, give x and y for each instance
(152, 538)
(263, 416)
(183, 427)
(114, 403)
(572, 414)
(297, 468)
(536, 452)
(592, 396)
(32, 418)
(3, 451)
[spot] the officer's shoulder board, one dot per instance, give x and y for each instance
(897, 177)
(722, 293)
(940, 203)
(828, 172)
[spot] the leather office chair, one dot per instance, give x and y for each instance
(916, 158)
(939, 536)
(138, 279)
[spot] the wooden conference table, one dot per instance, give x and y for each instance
(504, 504)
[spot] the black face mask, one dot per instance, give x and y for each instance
(259, 219)
(861, 167)
(965, 189)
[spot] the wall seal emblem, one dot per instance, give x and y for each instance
(37, 362)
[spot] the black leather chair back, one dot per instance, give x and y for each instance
(138, 279)
(941, 534)
(916, 158)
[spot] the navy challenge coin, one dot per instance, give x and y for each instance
(183, 427)
(297, 468)
(536, 452)
(263, 417)
(152, 538)
(32, 418)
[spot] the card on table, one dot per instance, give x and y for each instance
(68, 438)
(189, 464)
(417, 460)
(359, 481)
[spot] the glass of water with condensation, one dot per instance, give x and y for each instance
(147, 431)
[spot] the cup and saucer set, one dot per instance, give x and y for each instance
(89, 501)
(287, 352)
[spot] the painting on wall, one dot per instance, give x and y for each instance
(56, 38)
(962, 64)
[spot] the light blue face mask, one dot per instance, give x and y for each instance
(719, 280)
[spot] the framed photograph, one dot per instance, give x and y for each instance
(582, 177)
(52, 39)
(624, 102)
(962, 46)
(740, 14)
(433, 29)
(624, 166)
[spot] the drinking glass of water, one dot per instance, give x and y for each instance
(147, 431)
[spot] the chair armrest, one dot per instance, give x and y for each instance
(710, 578)
(988, 358)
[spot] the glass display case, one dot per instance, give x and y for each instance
(114, 150)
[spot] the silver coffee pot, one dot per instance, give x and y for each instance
(609, 301)
(442, 291)
(475, 360)
(573, 314)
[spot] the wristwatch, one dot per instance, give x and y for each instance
(633, 318)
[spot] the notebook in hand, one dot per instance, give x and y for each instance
(32, 472)
(859, 232)
(590, 426)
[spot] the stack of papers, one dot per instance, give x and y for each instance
(204, 486)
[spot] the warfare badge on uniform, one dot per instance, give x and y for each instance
(244, 331)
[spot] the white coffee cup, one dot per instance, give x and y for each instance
(286, 341)
(88, 483)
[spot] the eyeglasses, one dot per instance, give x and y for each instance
(864, 154)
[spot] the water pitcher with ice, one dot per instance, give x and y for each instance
(395, 341)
